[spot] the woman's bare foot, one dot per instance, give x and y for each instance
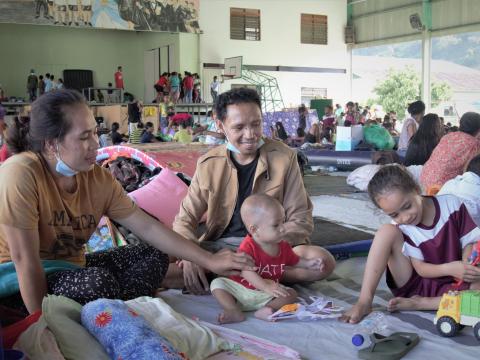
(264, 313)
(230, 316)
(414, 303)
(357, 312)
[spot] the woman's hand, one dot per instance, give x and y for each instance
(228, 263)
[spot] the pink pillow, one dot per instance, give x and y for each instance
(162, 196)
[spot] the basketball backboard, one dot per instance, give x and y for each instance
(233, 67)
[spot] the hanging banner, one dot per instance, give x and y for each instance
(138, 15)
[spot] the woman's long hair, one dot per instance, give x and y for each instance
(422, 143)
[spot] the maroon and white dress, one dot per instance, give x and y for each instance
(440, 243)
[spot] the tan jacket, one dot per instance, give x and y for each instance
(214, 189)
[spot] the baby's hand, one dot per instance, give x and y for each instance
(315, 264)
(276, 289)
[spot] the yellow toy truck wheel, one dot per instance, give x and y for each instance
(476, 330)
(447, 327)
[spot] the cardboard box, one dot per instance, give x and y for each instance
(348, 137)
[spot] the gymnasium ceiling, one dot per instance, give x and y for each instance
(378, 22)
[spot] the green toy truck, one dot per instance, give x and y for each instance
(458, 309)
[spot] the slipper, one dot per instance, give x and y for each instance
(391, 347)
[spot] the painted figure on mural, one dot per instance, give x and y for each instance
(73, 12)
(39, 5)
(149, 15)
(87, 12)
(106, 15)
(60, 12)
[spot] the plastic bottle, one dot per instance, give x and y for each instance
(376, 322)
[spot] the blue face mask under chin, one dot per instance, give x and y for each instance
(63, 169)
(233, 149)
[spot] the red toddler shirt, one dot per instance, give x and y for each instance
(269, 267)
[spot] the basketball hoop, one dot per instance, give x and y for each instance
(227, 77)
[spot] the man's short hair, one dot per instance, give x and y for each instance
(234, 97)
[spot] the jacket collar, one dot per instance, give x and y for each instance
(222, 152)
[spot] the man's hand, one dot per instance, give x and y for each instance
(194, 278)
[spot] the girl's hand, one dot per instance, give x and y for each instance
(465, 272)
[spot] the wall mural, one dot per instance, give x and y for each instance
(149, 15)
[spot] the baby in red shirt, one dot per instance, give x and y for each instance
(260, 290)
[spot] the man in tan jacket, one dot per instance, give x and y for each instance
(227, 175)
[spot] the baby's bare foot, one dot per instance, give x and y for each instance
(264, 313)
(230, 316)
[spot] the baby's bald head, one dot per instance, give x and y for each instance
(256, 208)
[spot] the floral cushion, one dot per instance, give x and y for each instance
(124, 334)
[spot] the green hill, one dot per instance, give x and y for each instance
(462, 49)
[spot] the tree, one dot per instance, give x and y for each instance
(440, 92)
(401, 87)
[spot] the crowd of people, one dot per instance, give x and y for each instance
(39, 85)
(324, 130)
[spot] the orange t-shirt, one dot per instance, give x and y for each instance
(31, 200)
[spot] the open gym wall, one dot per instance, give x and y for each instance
(51, 49)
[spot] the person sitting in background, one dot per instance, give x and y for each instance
(299, 138)
(182, 118)
(273, 133)
(328, 123)
(424, 141)
(183, 135)
(302, 117)
(313, 135)
(410, 126)
(136, 134)
(210, 131)
(147, 136)
(351, 115)
(467, 188)
(390, 129)
(282, 134)
(453, 152)
(117, 138)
